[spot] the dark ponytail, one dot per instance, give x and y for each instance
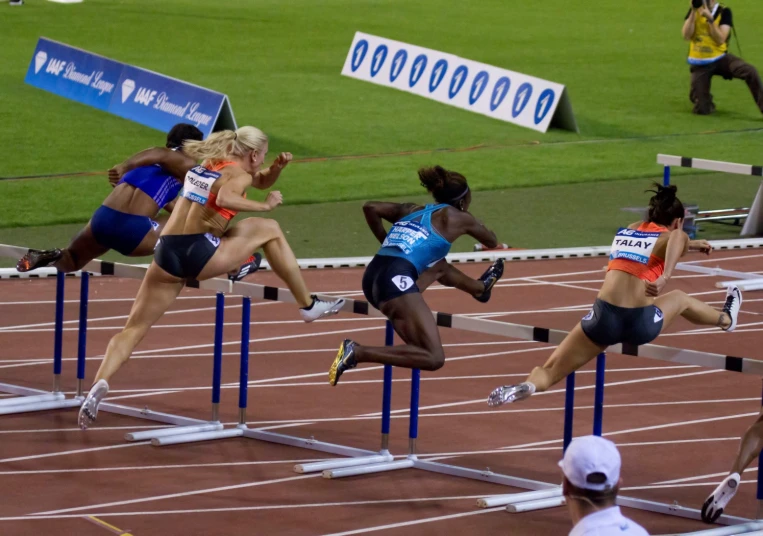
(445, 186)
(664, 206)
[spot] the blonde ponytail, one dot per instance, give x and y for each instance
(227, 143)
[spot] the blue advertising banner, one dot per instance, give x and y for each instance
(137, 94)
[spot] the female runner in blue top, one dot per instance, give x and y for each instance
(126, 221)
(410, 259)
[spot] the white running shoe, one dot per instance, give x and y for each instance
(320, 308)
(732, 306)
(510, 393)
(717, 501)
(88, 411)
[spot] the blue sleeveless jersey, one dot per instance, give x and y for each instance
(155, 182)
(414, 239)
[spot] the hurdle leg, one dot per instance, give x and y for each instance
(383, 455)
(666, 176)
(34, 399)
(413, 432)
(569, 409)
(184, 426)
(598, 404)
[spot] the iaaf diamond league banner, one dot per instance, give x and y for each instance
(499, 93)
(137, 94)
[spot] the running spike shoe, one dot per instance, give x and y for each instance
(251, 265)
(344, 360)
(717, 501)
(88, 411)
(320, 308)
(490, 278)
(732, 306)
(38, 258)
(510, 393)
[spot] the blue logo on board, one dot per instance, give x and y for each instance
(359, 54)
(417, 69)
(524, 92)
(478, 86)
(398, 62)
(379, 56)
(457, 82)
(500, 90)
(545, 102)
(438, 73)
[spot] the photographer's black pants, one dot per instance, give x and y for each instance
(729, 67)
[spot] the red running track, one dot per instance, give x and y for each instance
(671, 422)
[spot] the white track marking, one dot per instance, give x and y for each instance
(96, 300)
(702, 477)
(703, 261)
(566, 285)
(246, 508)
(555, 391)
(69, 452)
(654, 486)
(417, 521)
(156, 467)
(182, 494)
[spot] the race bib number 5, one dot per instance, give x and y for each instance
(633, 245)
(198, 183)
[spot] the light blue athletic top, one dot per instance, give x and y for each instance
(414, 239)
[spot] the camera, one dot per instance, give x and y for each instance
(697, 3)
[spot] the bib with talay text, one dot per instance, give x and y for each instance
(198, 183)
(633, 245)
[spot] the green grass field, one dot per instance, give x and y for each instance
(622, 62)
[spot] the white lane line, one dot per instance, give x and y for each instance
(96, 300)
(176, 495)
(710, 484)
(260, 352)
(246, 508)
(417, 522)
(726, 259)
(371, 417)
(69, 452)
(198, 325)
(701, 477)
(156, 467)
(555, 391)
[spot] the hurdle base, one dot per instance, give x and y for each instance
(306, 443)
(485, 476)
(147, 414)
(31, 399)
(41, 406)
(147, 435)
(328, 465)
(369, 469)
(539, 504)
(514, 498)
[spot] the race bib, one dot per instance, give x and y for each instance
(406, 235)
(198, 183)
(633, 245)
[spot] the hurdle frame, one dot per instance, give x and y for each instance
(523, 332)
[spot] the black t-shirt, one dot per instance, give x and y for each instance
(723, 12)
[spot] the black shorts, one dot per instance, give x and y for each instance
(387, 278)
(607, 324)
(185, 256)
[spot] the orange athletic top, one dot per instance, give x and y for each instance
(654, 267)
(212, 201)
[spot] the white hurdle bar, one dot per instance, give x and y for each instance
(523, 332)
(745, 528)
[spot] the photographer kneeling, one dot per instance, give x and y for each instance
(708, 25)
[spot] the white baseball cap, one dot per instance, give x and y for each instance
(592, 463)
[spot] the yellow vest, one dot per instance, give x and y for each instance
(703, 49)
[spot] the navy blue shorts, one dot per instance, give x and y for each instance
(387, 278)
(120, 231)
(185, 256)
(607, 324)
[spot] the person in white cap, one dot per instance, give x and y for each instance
(591, 468)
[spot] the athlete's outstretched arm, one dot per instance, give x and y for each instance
(175, 162)
(267, 177)
(231, 196)
(678, 245)
(476, 229)
(376, 211)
